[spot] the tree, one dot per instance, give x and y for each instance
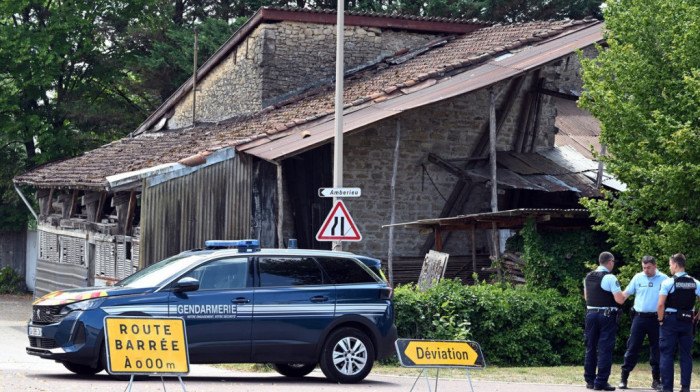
(645, 89)
(77, 74)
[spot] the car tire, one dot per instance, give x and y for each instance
(294, 369)
(347, 356)
(82, 370)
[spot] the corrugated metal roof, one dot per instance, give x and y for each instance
(577, 128)
(559, 169)
(492, 72)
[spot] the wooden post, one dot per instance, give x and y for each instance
(73, 204)
(492, 152)
(100, 207)
(601, 167)
(280, 207)
(496, 244)
(194, 79)
(390, 260)
(130, 212)
(474, 248)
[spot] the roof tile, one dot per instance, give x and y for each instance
(377, 84)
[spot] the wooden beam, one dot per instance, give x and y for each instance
(462, 189)
(570, 97)
(130, 212)
(74, 203)
(473, 250)
(45, 197)
(100, 206)
(438, 240)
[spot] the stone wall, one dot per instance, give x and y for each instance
(449, 129)
(277, 60)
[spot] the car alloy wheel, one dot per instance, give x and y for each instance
(348, 356)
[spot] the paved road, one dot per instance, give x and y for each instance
(22, 372)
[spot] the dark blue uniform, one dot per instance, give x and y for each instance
(677, 330)
(601, 326)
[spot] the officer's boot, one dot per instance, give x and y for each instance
(623, 379)
(656, 381)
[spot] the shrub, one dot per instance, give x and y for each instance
(10, 282)
(514, 325)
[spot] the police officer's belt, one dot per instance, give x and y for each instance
(647, 314)
(602, 310)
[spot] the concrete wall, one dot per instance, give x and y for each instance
(13, 251)
(277, 60)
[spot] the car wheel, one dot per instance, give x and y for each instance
(294, 369)
(347, 356)
(83, 370)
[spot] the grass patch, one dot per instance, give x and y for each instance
(562, 375)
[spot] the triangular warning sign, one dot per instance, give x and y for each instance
(338, 226)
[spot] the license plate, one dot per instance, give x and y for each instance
(34, 331)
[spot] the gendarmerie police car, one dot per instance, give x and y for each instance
(293, 308)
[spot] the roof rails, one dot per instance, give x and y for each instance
(242, 245)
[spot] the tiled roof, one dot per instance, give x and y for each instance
(382, 82)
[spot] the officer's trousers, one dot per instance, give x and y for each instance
(674, 334)
(600, 342)
(641, 327)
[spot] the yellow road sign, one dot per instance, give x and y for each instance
(439, 353)
(144, 345)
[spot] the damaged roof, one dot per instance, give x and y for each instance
(577, 128)
(396, 79)
(559, 169)
(507, 219)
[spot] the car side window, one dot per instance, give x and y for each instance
(222, 274)
(288, 271)
(345, 271)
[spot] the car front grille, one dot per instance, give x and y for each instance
(46, 314)
(42, 343)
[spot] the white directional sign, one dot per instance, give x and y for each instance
(339, 192)
(338, 226)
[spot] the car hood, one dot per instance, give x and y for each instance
(64, 297)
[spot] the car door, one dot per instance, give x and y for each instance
(292, 306)
(218, 315)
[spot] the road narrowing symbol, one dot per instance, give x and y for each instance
(339, 226)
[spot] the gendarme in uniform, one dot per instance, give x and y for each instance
(675, 311)
(645, 289)
(602, 290)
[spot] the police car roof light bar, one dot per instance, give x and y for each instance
(241, 245)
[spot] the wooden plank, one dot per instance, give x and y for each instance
(433, 269)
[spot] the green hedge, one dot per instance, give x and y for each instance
(514, 325)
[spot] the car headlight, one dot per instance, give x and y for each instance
(82, 305)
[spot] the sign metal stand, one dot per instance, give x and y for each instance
(131, 382)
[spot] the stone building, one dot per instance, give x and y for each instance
(248, 159)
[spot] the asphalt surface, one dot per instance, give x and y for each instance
(22, 372)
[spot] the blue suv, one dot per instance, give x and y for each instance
(293, 308)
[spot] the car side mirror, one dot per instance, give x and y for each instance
(186, 284)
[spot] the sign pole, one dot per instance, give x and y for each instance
(339, 73)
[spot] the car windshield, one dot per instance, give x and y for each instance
(160, 272)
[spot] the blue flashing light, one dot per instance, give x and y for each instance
(241, 245)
